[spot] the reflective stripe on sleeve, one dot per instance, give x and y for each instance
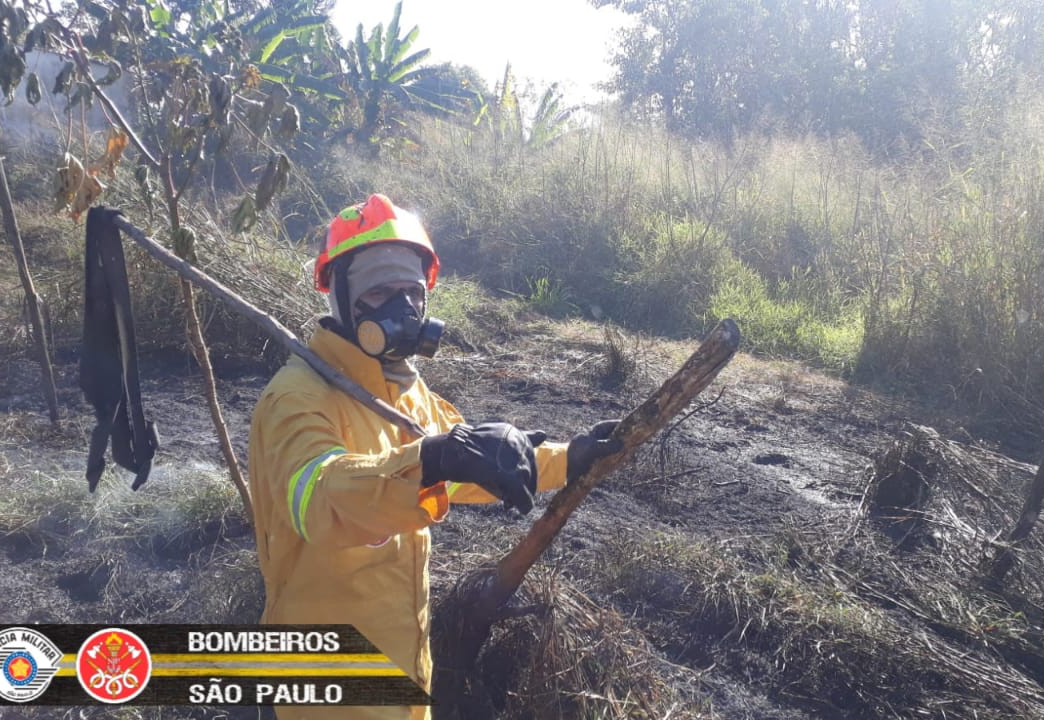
(452, 487)
(299, 493)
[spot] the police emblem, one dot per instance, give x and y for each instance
(28, 662)
(113, 665)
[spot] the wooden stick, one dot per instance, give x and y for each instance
(1004, 559)
(270, 325)
(644, 421)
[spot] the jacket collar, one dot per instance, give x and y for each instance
(346, 357)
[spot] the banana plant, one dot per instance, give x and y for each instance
(550, 120)
(382, 71)
(292, 44)
(300, 49)
(507, 110)
(504, 116)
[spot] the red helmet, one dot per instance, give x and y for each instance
(374, 221)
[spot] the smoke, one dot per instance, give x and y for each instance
(48, 120)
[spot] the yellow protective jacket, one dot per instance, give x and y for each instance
(340, 516)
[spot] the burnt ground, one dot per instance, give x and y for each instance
(727, 572)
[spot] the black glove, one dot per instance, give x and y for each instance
(587, 447)
(498, 457)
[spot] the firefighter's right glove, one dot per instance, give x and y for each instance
(584, 449)
(498, 457)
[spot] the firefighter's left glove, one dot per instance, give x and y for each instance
(498, 457)
(584, 449)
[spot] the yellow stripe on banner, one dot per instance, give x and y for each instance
(300, 671)
(277, 672)
(218, 658)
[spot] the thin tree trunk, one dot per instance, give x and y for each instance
(479, 600)
(199, 349)
(33, 300)
(1004, 560)
(194, 333)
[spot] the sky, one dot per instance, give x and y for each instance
(567, 41)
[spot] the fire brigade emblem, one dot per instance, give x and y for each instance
(113, 665)
(28, 661)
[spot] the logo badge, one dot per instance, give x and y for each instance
(28, 662)
(113, 665)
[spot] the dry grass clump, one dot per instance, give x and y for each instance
(171, 552)
(584, 660)
(227, 587)
(812, 632)
(39, 510)
(943, 505)
(952, 501)
(275, 277)
(561, 655)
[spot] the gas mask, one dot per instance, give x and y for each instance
(395, 330)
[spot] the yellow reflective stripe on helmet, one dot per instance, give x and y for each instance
(299, 493)
(387, 230)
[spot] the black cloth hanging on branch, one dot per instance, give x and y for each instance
(109, 358)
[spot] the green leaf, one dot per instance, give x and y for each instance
(302, 31)
(255, 24)
(270, 47)
(317, 86)
(307, 25)
(403, 47)
(159, 13)
(363, 52)
(393, 31)
(407, 65)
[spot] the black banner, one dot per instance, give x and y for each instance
(198, 665)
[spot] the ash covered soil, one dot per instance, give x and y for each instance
(756, 490)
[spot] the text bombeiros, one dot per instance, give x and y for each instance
(272, 641)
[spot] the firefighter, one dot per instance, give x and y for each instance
(342, 497)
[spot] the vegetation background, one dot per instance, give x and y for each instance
(859, 185)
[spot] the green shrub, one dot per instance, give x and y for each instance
(779, 326)
(549, 296)
(667, 276)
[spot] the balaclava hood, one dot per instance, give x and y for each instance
(377, 265)
(383, 263)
